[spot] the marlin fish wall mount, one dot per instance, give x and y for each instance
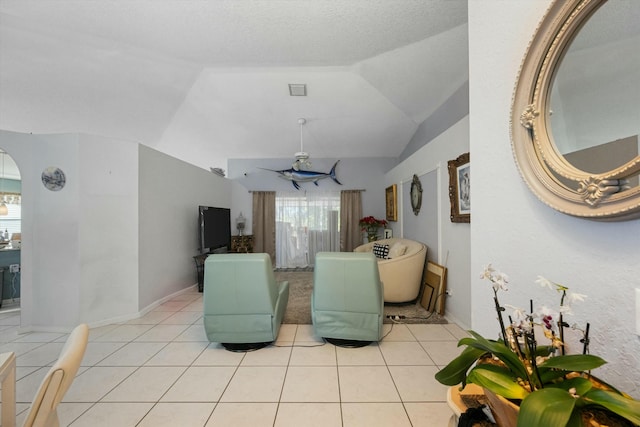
(296, 176)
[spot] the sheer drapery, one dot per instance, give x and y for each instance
(305, 224)
(264, 223)
(350, 214)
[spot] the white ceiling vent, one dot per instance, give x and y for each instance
(297, 89)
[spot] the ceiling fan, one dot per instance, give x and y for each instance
(302, 157)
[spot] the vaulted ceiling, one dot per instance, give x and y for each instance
(206, 81)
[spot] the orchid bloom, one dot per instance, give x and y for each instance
(545, 283)
(547, 316)
(487, 272)
(519, 316)
(575, 297)
(498, 279)
(566, 309)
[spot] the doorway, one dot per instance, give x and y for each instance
(10, 233)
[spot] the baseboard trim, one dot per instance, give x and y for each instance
(113, 320)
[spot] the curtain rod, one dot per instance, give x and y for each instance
(355, 189)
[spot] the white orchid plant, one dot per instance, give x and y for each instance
(551, 391)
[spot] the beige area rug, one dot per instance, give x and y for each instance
(299, 306)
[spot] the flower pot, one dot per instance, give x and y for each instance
(372, 237)
(504, 411)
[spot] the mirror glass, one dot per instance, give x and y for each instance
(575, 117)
(594, 107)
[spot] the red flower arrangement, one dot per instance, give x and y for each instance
(371, 224)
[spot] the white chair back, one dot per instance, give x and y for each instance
(43, 410)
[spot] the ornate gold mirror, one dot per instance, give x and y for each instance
(576, 109)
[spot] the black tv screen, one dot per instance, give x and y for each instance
(214, 225)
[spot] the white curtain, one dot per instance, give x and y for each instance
(306, 224)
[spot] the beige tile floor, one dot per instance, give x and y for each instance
(160, 370)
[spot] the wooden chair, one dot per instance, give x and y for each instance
(43, 410)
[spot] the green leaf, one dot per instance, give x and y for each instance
(502, 352)
(456, 371)
(574, 362)
(549, 407)
(617, 403)
(582, 385)
(544, 350)
(497, 379)
(547, 376)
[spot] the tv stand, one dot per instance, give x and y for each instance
(242, 244)
(239, 244)
(200, 259)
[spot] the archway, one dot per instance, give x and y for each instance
(10, 233)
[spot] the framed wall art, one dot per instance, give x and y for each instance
(435, 288)
(392, 202)
(460, 188)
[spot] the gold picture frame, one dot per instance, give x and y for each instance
(459, 188)
(391, 198)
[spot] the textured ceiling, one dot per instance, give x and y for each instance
(207, 80)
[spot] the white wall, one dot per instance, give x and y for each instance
(108, 213)
(117, 238)
(520, 235)
(452, 244)
(73, 265)
(169, 195)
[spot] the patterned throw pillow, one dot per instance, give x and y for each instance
(380, 251)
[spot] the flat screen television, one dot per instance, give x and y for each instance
(214, 226)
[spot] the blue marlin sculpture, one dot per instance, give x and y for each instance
(296, 176)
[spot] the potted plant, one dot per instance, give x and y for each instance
(545, 386)
(370, 225)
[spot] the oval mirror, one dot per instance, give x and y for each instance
(576, 111)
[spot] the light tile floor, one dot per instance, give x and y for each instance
(160, 370)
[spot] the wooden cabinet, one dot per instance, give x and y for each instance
(242, 244)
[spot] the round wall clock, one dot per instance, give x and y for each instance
(416, 194)
(53, 178)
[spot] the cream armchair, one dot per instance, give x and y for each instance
(401, 275)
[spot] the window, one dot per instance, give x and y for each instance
(306, 224)
(11, 222)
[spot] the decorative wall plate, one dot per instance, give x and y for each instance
(416, 194)
(53, 178)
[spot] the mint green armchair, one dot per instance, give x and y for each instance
(347, 306)
(243, 304)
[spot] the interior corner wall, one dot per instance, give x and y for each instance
(518, 233)
(452, 240)
(170, 191)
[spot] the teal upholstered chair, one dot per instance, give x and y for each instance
(243, 304)
(347, 306)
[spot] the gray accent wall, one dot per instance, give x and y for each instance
(450, 112)
(170, 191)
